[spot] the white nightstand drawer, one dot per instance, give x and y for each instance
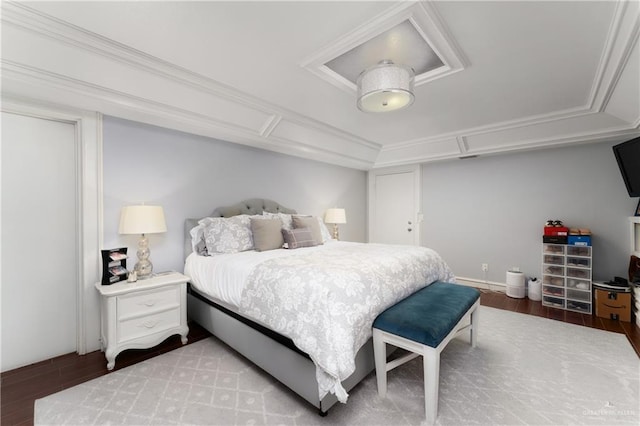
(142, 314)
(149, 324)
(147, 302)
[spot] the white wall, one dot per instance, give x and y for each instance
(191, 175)
(492, 209)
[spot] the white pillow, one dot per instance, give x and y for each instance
(324, 231)
(227, 235)
(287, 221)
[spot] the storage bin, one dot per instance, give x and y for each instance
(579, 295)
(579, 240)
(552, 291)
(583, 307)
(578, 284)
(553, 302)
(581, 262)
(579, 251)
(554, 249)
(553, 280)
(553, 260)
(556, 230)
(579, 273)
(554, 270)
(554, 239)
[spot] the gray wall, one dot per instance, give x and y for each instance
(492, 209)
(191, 175)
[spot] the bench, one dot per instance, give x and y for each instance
(423, 324)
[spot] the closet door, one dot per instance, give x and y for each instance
(39, 257)
(394, 200)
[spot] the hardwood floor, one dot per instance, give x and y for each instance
(22, 386)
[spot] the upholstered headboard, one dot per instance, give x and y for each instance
(250, 206)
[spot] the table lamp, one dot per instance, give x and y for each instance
(335, 216)
(142, 220)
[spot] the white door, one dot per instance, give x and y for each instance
(39, 240)
(394, 205)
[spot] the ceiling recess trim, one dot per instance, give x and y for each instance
(424, 18)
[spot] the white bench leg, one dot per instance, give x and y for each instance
(475, 316)
(431, 361)
(380, 355)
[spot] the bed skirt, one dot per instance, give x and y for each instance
(274, 353)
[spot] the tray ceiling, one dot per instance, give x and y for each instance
(497, 77)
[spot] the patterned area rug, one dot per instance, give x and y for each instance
(525, 370)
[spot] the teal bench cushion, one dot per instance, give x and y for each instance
(429, 314)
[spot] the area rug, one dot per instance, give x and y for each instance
(525, 370)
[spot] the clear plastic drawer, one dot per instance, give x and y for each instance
(580, 262)
(554, 270)
(553, 291)
(553, 260)
(579, 295)
(578, 284)
(553, 301)
(552, 280)
(579, 251)
(554, 249)
(583, 307)
(579, 273)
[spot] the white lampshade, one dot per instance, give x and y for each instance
(385, 87)
(142, 220)
(335, 216)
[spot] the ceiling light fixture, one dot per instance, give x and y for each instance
(385, 87)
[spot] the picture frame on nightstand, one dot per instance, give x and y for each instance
(114, 265)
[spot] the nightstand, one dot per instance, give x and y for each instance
(140, 315)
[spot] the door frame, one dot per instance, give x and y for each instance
(416, 169)
(88, 216)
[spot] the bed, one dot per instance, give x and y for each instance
(303, 315)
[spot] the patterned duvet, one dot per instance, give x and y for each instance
(326, 300)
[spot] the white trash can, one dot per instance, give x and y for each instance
(515, 284)
(535, 289)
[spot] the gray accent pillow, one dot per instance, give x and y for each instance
(310, 222)
(299, 237)
(284, 217)
(267, 234)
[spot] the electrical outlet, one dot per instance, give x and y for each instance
(485, 267)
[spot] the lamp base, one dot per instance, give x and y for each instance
(335, 232)
(144, 267)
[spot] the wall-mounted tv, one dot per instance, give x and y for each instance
(628, 156)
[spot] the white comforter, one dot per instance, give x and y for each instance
(326, 299)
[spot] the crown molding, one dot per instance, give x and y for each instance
(492, 128)
(35, 22)
(610, 134)
(273, 132)
(610, 68)
(424, 18)
(165, 115)
(270, 125)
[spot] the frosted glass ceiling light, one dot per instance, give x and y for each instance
(385, 87)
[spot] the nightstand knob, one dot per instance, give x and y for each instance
(149, 303)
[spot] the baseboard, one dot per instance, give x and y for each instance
(487, 285)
